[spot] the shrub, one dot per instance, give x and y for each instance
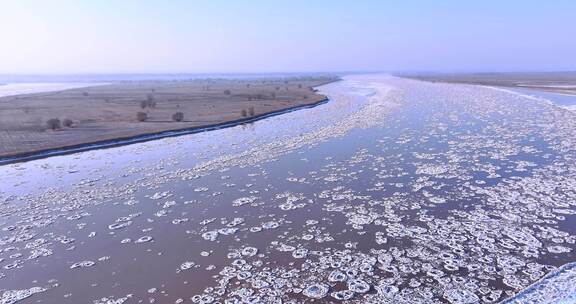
(53, 124)
(141, 116)
(251, 111)
(178, 116)
(150, 103)
(67, 123)
(227, 92)
(244, 113)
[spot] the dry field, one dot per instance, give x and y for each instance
(111, 111)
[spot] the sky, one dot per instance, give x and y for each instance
(256, 36)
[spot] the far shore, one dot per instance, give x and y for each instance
(57, 122)
(554, 82)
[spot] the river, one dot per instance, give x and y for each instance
(395, 191)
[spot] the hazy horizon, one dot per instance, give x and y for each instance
(185, 37)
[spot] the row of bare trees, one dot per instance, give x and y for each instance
(250, 112)
(142, 116)
(150, 103)
(57, 124)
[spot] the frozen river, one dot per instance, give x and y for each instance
(396, 191)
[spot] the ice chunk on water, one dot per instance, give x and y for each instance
(316, 291)
(461, 296)
(13, 296)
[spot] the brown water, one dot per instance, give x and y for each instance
(396, 191)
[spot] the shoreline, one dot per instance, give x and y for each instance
(105, 116)
(541, 82)
(128, 140)
(560, 95)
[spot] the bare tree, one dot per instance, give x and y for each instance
(141, 116)
(244, 113)
(251, 111)
(53, 124)
(67, 123)
(178, 116)
(151, 101)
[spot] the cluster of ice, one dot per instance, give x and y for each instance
(13, 296)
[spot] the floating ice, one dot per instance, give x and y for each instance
(270, 225)
(358, 286)
(343, 295)
(13, 296)
(210, 235)
(461, 296)
(243, 201)
(337, 276)
(82, 264)
(159, 195)
(119, 225)
(112, 301)
(300, 253)
(144, 239)
(187, 265)
(249, 251)
(316, 291)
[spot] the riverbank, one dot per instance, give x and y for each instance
(555, 82)
(124, 113)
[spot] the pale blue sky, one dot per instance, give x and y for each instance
(193, 36)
